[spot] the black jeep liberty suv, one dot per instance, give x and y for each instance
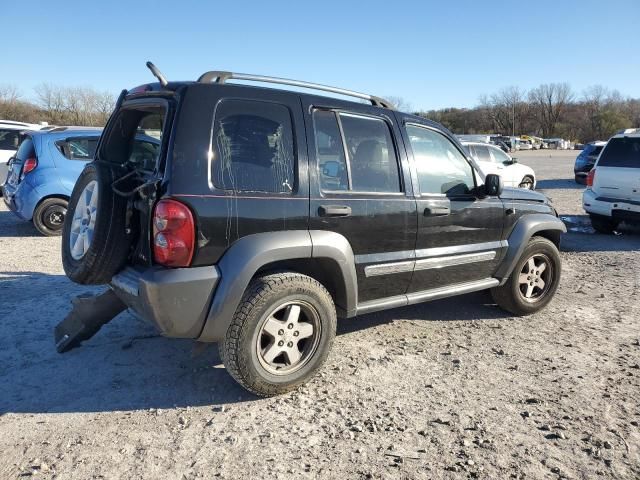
(262, 215)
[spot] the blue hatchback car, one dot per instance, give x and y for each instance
(45, 168)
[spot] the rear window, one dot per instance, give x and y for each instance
(136, 137)
(9, 139)
(26, 150)
(621, 152)
(81, 148)
(253, 148)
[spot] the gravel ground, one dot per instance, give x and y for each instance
(450, 389)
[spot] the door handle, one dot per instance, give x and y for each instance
(436, 211)
(334, 211)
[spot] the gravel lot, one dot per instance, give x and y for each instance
(450, 389)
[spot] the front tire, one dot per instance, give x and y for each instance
(603, 224)
(534, 280)
(281, 333)
(48, 217)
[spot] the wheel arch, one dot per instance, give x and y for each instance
(528, 226)
(325, 256)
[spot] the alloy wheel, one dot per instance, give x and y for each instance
(84, 221)
(288, 337)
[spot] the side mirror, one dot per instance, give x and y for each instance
(514, 160)
(493, 185)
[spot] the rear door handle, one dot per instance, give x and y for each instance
(436, 211)
(334, 211)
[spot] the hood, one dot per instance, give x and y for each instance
(510, 193)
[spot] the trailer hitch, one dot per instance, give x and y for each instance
(89, 313)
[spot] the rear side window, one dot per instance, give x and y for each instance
(621, 152)
(355, 153)
(9, 139)
(253, 147)
(81, 148)
(482, 153)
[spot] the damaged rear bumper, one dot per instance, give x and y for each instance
(176, 301)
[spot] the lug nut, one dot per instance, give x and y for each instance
(280, 343)
(296, 333)
(280, 332)
(290, 326)
(290, 344)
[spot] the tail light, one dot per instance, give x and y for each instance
(29, 165)
(591, 177)
(173, 234)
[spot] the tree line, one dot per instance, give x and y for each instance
(57, 105)
(549, 111)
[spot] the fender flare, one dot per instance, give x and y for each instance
(252, 252)
(526, 227)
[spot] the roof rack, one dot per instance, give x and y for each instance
(221, 77)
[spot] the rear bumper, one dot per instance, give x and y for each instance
(21, 200)
(619, 209)
(176, 301)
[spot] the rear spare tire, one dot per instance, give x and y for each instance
(95, 243)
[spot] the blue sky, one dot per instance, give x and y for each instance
(433, 54)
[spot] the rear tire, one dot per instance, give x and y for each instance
(603, 224)
(581, 180)
(530, 288)
(266, 349)
(49, 215)
(109, 243)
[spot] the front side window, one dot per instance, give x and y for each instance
(252, 147)
(81, 148)
(355, 153)
(621, 152)
(441, 167)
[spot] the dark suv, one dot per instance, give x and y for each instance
(269, 213)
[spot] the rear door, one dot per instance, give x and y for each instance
(618, 169)
(360, 189)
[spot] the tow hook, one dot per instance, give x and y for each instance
(88, 315)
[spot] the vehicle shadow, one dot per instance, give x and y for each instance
(127, 365)
(556, 183)
(12, 226)
(581, 237)
(473, 306)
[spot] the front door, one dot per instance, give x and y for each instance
(459, 232)
(358, 189)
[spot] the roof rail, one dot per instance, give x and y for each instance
(221, 77)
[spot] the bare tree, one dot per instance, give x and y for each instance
(399, 103)
(506, 109)
(548, 103)
(9, 93)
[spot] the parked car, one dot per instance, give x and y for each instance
(492, 159)
(42, 174)
(613, 185)
(269, 213)
(586, 159)
(526, 145)
(46, 167)
(11, 134)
